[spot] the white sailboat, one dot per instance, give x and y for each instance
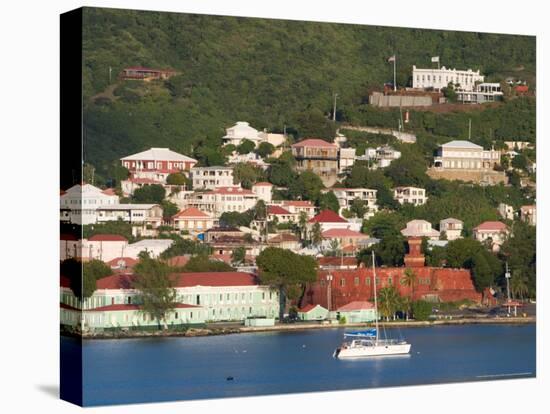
(368, 343)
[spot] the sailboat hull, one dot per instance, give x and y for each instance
(364, 351)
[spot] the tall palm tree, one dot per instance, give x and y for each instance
(409, 279)
(519, 285)
(302, 224)
(388, 302)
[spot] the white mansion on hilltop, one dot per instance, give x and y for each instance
(465, 155)
(440, 78)
(242, 130)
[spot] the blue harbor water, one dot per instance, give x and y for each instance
(162, 369)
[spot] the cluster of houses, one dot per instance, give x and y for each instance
(343, 288)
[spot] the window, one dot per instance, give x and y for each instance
(129, 300)
(390, 280)
(342, 282)
(176, 315)
(198, 299)
(356, 281)
(367, 281)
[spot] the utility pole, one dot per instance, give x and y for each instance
(329, 285)
(508, 276)
(334, 109)
(394, 76)
(470, 129)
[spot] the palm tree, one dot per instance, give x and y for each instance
(302, 224)
(316, 237)
(519, 285)
(409, 279)
(388, 302)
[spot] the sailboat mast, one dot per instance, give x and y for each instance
(375, 299)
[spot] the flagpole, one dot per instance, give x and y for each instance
(394, 81)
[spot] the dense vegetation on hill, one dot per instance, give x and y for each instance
(272, 73)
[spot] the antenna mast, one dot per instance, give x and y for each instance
(375, 299)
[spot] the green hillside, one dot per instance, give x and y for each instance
(271, 73)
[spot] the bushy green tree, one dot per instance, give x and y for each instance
(328, 201)
(202, 263)
(287, 272)
(245, 146)
(265, 149)
(153, 194)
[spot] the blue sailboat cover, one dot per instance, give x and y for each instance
(369, 333)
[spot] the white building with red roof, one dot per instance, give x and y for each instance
(156, 163)
(297, 206)
(356, 312)
(79, 203)
(343, 238)
(328, 220)
(193, 220)
(493, 233)
(105, 247)
(200, 297)
(281, 215)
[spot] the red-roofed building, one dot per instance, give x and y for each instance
(357, 312)
(210, 296)
(193, 220)
(280, 215)
(312, 313)
(318, 156)
(344, 237)
(145, 74)
(491, 233)
(284, 241)
(432, 283)
(334, 262)
(297, 206)
(122, 264)
(328, 220)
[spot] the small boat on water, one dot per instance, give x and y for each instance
(368, 343)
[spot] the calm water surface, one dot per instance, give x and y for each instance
(162, 369)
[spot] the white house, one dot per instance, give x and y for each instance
(452, 228)
(104, 247)
(79, 203)
(281, 215)
(328, 219)
(211, 177)
(412, 195)
(297, 206)
(263, 190)
(439, 78)
(420, 228)
(346, 159)
(193, 220)
(506, 211)
(223, 199)
(239, 132)
(135, 214)
(157, 163)
(346, 196)
(465, 155)
(152, 246)
(493, 232)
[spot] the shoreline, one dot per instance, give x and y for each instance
(215, 331)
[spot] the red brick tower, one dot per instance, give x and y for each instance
(415, 258)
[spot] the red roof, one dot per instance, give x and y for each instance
(277, 210)
(131, 306)
(327, 216)
(491, 226)
(215, 279)
(107, 237)
(298, 203)
(109, 191)
(191, 212)
(122, 261)
(342, 233)
(263, 184)
(67, 237)
(307, 308)
(337, 261)
(125, 281)
(231, 190)
(69, 307)
(356, 306)
(314, 142)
